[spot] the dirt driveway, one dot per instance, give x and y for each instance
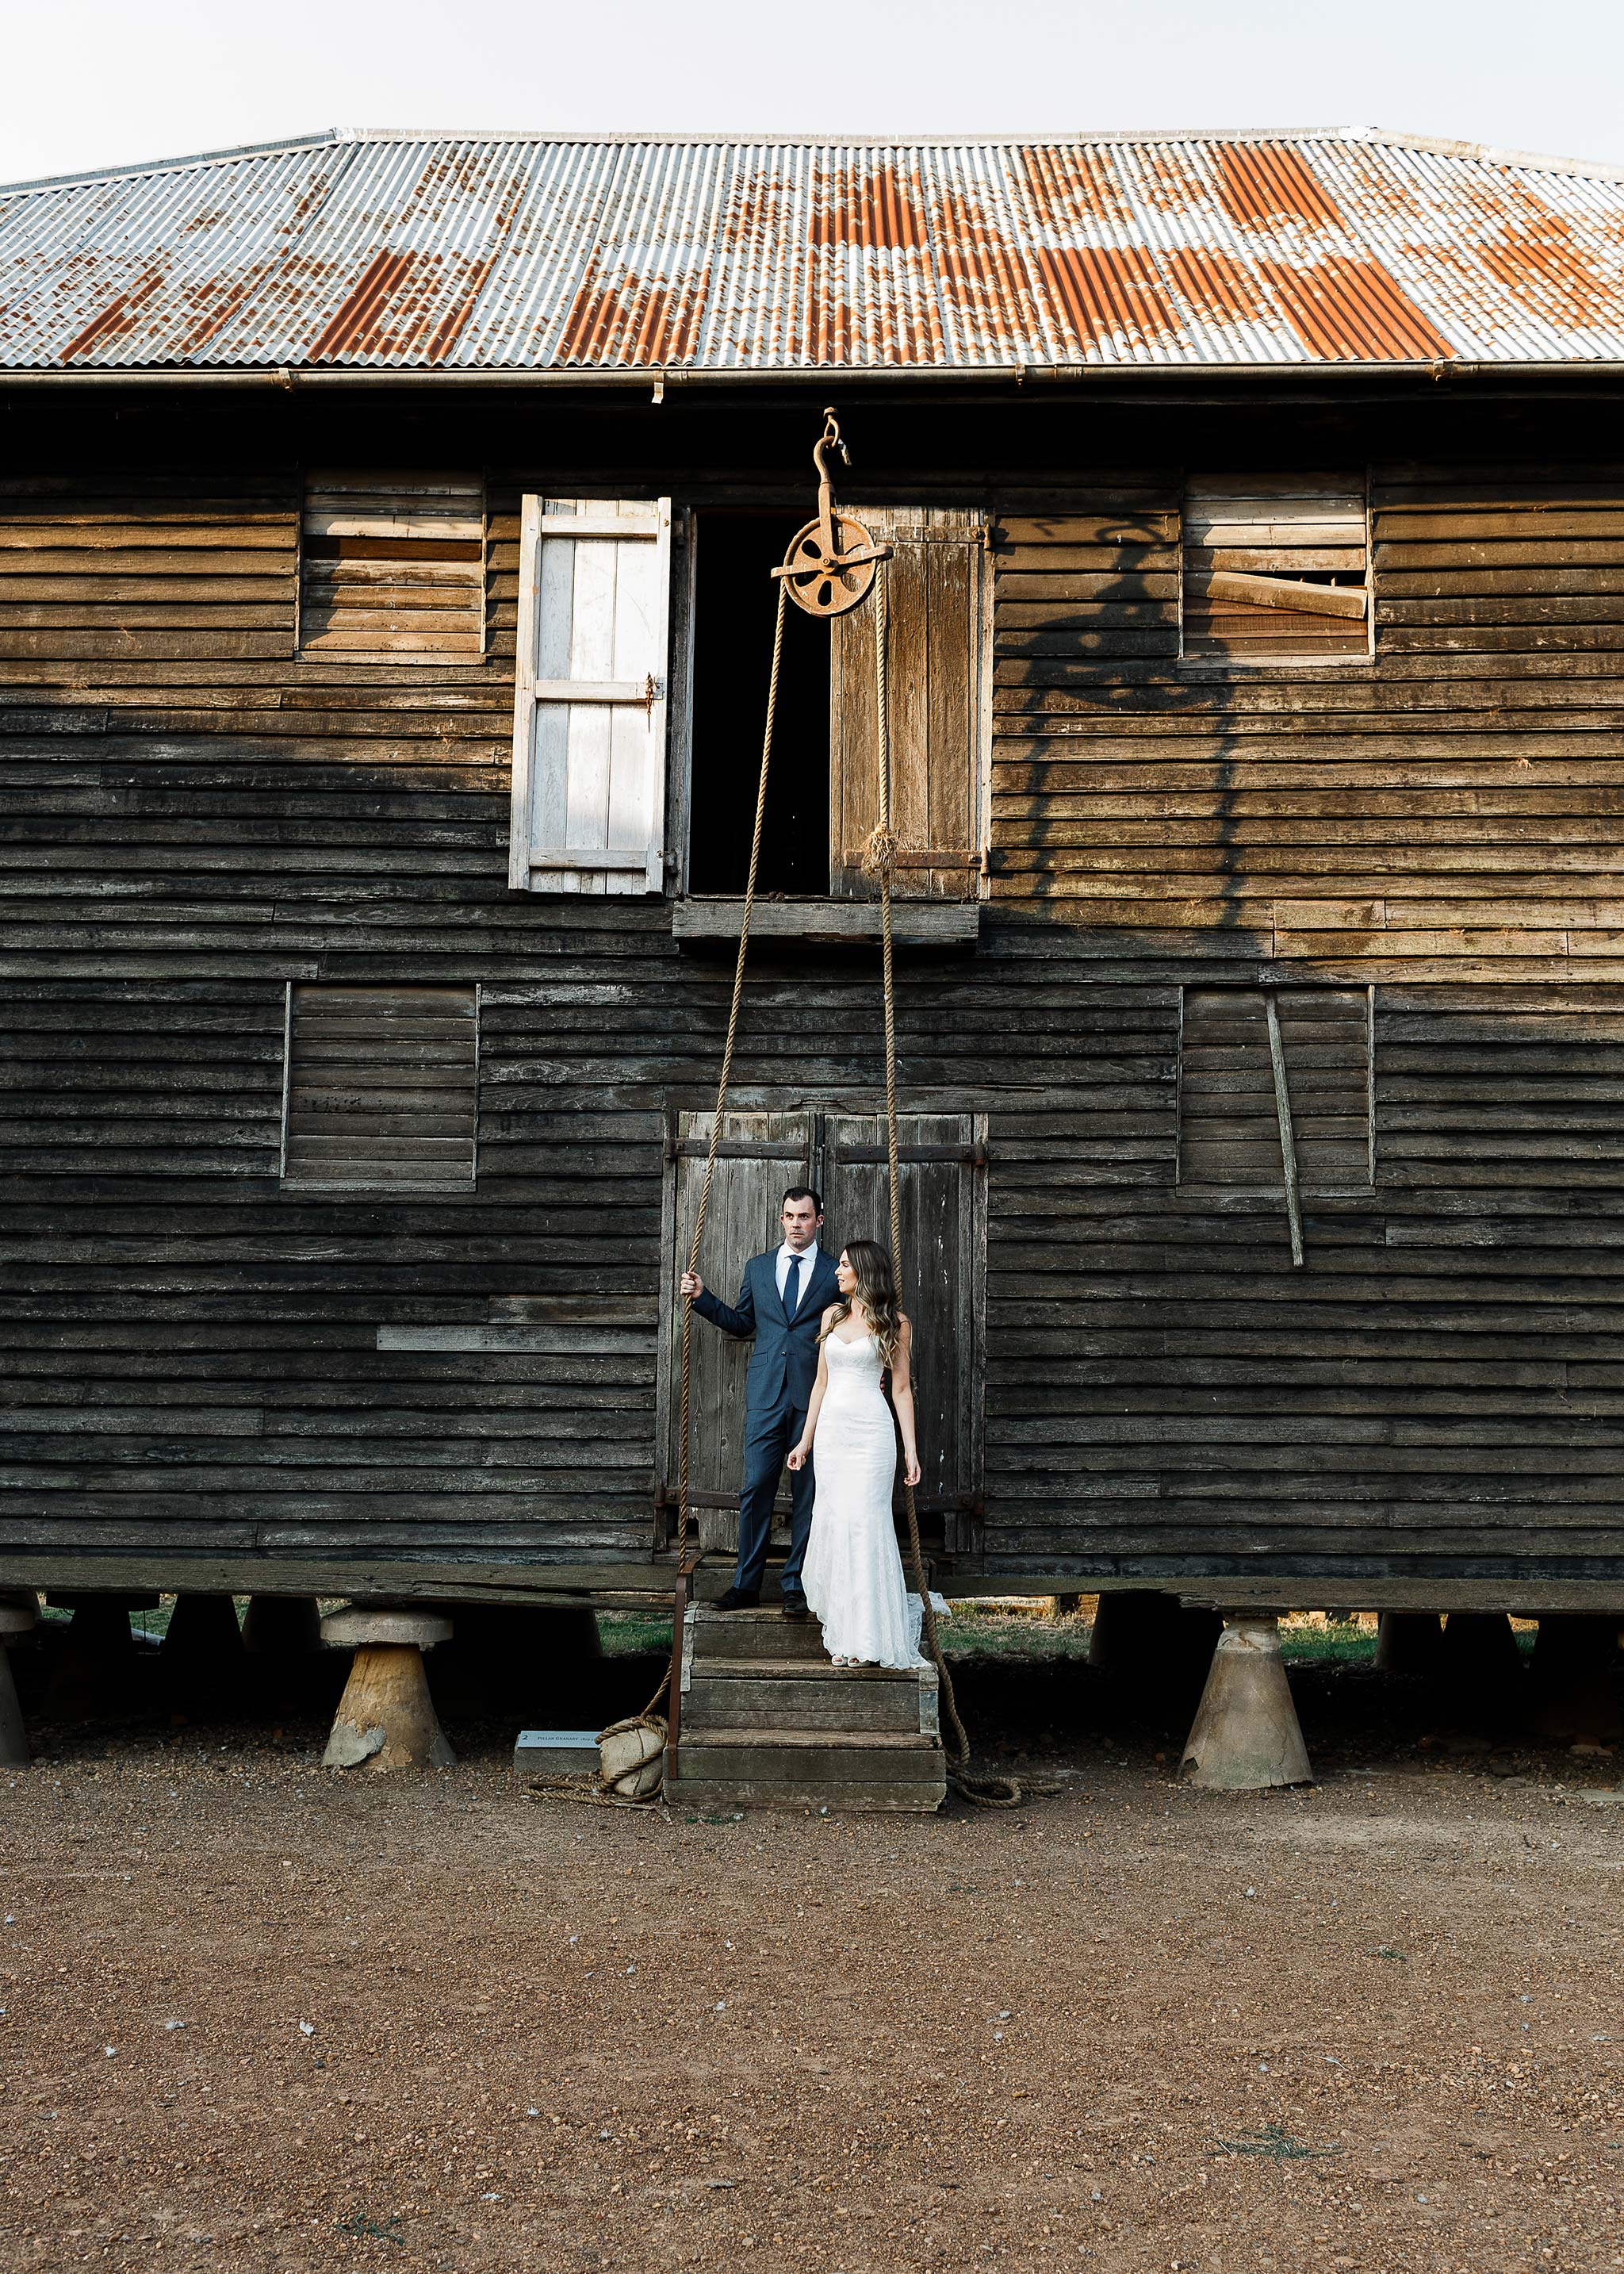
(260, 2016)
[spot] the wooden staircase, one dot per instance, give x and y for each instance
(768, 1722)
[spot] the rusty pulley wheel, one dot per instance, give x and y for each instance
(830, 570)
(829, 565)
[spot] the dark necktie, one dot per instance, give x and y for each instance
(791, 1288)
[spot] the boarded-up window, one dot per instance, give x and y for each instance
(936, 689)
(1230, 1101)
(589, 727)
(381, 1086)
(393, 565)
(1276, 566)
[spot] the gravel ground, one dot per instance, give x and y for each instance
(259, 2015)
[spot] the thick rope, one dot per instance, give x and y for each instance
(604, 1790)
(985, 1792)
(684, 1425)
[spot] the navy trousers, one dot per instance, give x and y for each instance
(771, 1433)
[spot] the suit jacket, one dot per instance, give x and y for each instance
(784, 1359)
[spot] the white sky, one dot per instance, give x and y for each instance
(91, 83)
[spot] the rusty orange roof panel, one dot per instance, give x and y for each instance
(517, 252)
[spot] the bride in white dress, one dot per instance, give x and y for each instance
(852, 1574)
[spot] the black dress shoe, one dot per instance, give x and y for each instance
(796, 1606)
(736, 1600)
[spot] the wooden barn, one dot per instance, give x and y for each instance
(386, 531)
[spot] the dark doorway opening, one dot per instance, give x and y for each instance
(735, 601)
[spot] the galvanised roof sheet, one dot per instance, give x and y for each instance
(521, 253)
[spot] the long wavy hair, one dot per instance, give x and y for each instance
(876, 1291)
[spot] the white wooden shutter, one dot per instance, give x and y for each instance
(589, 732)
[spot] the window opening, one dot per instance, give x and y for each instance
(735, 602)
(393, 565)
(1276, 566)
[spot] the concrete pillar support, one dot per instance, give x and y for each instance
(19, 1613)
(385, 1718)
(202, 1653)
(1409, 1643)
(1245, 1736)
(1153, 1645)
(95, 1672)
(1480, 1651)
(282, 1626)
(1575, 1690)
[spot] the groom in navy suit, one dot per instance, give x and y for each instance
(781, 1301)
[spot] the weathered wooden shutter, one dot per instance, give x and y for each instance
(937, 691)
(381, 1086)
(940, 1157)
(393, 565)
(589, 731)
(1276, 566)
(761, 1153)
(1229, 1119)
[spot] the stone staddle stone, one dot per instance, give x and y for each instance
(353, 1629)
(19, 1613)
(385, 1718)
(1245, 1736)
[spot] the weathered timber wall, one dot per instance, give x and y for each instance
(194, 814)
(1449, 805)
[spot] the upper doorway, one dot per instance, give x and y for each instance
(735, 601)
(821, 793)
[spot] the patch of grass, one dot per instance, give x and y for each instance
(1337, 1642)
(633, 1634)
(997, 1630)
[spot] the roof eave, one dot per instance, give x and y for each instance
(676, 377)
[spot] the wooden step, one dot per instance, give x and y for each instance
(853, 1798)
(775, 1767)
(769, 1720)
(801, 1748)
(756, 1693)
(751, 1634)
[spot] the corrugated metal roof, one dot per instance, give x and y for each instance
(518, 253)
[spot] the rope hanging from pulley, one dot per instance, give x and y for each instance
(830, 567)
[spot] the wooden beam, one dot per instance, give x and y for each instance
(608, 1586)
(1277, 592)
(917, 923)
(1288, 1141)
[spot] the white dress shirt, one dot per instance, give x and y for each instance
(807, 1257)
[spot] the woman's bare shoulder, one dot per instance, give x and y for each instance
(831, 1310)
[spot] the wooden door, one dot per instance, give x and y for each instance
(760, 1153)
(941, 1162)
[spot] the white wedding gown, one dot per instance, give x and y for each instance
(853, 1573)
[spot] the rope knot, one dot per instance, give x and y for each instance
(879, 855)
